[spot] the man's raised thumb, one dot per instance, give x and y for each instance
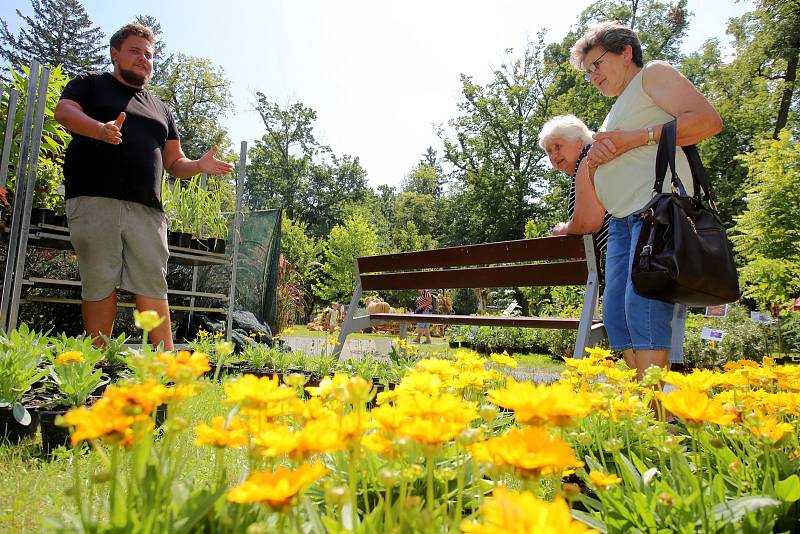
(120, 120)
(212, 151)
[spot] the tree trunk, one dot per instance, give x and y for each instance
(788, 92)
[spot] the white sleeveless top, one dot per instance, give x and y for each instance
(624, 185)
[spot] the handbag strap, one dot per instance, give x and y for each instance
(665, 157)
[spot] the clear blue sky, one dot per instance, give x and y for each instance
(380, 74)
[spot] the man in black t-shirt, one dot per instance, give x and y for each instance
(124, 138)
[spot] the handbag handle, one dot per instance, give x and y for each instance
(666, 157)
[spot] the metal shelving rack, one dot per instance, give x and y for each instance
(21, 234)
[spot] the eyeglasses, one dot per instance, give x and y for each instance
(596, 64)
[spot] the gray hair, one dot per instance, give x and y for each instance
(566, 127)
(612, 36)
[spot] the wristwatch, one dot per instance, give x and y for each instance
(651, 136)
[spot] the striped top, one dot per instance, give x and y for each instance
(424, 303)
(601, 237)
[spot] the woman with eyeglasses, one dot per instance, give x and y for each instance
(621, 166)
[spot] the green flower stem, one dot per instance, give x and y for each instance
(462, 471)
(352, 480)
(76, 471)
(388, 524)
(429, 498)
(699, 480)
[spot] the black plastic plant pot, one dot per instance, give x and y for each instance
(180, 239)
(60, 220)
(161, 415)
(43, 216)
(208, 244)
(53, 436)
(219, 247)
(13, 431)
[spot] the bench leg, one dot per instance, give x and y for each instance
(585, 338)
(348, 326)
(403, 330)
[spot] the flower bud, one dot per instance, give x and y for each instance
(488, 412)
(388, 477)
(224, 348)
(468, 436)
(570, 491)
(295, 379)
(667, 499)
(147, 320)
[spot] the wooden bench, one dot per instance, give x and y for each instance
(547, 261)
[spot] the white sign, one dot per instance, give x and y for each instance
(510, 309)
(712, 334)
(761, 317)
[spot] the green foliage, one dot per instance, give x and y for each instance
(59, 33)
(23, 351)
(77, 381)
(767, 234)
(199, 95)
(744, 339)
(345, 243)
(54, 137)
(194, 209)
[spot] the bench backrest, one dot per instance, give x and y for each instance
(503, 264)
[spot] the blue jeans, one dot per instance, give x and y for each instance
(633, 321)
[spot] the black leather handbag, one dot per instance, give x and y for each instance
(682, 254)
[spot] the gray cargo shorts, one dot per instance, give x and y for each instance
(119, 244)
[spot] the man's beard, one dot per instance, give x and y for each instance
(133, 77)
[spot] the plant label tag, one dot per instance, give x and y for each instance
(760, 317)
(717, 311)
(510, 309)
(712, 334)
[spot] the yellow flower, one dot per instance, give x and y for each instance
(275, 440)
(536, 404)
(508, 512)
(598, 353)
(503, 359)
(218, 335)
(695, 407)
(221, 435)
(739, 364)
(185, 365)
(122, 416)
(202, 334)
(602, 480)
(770, 430)
(377, 444)
(258, 393)
(147, 320)
(279, 488)
(532, 452)
(699, 379)
(69, 357)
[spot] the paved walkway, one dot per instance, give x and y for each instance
(380, 347)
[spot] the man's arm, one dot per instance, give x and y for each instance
(70, 115)
(178, 165)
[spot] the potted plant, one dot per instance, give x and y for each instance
(174, 199)
(45, 194)
(75, 377)
(21, 353)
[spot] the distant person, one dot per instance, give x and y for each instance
(424, 304)
(620, 167)
(123, 138)
(333, 317)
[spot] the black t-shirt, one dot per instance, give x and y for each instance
(129, 171)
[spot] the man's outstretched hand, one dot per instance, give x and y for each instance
(111, 132)
(209, 164)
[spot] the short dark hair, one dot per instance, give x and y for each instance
(612, 36)
(134, 28)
